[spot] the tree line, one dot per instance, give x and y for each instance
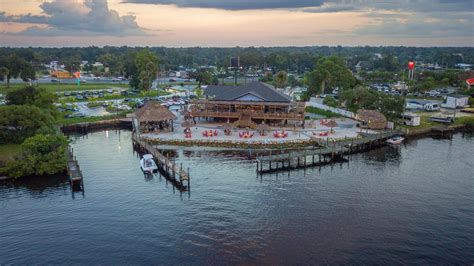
(291, 59)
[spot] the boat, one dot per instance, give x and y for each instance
(395, 140)
(148, 165)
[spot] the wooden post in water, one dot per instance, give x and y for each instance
(189, 180)
(304, 158)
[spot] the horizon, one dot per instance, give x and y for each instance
(217, 24)
(230, 47)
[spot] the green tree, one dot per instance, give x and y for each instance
(293, 81)
(362, 98)
(28, 72)
(204, 77)
(18, 122)
(72, 63)
(32, 96)
(280, 79)
(388, 63)
(41, 155)
(16, 65)
(426, 84)
(146, 65)
(330, 72)
(330, 101)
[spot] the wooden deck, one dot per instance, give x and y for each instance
(74, 171)
(173, 172)
(328, 152)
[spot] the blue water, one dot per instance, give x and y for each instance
(408, 204)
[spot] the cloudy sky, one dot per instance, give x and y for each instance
(236, 22)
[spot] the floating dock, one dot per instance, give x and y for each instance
(173, 172)
(326, 153)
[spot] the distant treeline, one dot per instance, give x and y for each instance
(292, 59)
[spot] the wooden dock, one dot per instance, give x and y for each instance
(74, 171)
(326, 153)
(173, 172)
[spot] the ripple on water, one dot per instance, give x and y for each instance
(393, 205)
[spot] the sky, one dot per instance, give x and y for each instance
(230, 23)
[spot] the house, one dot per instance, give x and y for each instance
(410, 119)
(416, 104)
(247, 105)
(371, 119)
(470, 82)
(455, 101)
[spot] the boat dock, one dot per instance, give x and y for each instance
(326, 153)
(74, 172)
(173, 172)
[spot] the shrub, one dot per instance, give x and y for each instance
(41, 155)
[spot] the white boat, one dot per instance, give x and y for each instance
(395, 140)
(147, 164)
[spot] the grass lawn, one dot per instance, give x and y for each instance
(8, 151)
(68, 87)
(321, 112)
(77, 120)
(465, 120)
(411, 97)
(424, 123)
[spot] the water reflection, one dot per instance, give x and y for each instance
(37, 187)
(381, 206)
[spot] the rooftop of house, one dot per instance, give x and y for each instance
(253, 91)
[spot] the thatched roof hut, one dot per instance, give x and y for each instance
(371, 119)
(154, 112)
(153, 117)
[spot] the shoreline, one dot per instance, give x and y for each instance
(298, 144)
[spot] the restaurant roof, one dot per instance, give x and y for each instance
(258, 90)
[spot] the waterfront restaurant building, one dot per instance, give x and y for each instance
(248, 105)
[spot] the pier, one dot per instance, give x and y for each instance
(173, 172)
(326, 153)
(74, 172)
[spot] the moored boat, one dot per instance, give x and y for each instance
(395, 140)
(147, 164)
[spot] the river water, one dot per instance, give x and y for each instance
(408, 204)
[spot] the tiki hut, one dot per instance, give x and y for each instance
(153, 117)
(262, 128)
(371, 119)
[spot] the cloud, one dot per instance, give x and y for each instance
(320, 5)
(72, 18)
(430, 25)
(234, 4)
